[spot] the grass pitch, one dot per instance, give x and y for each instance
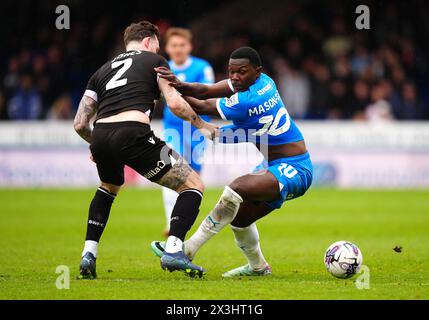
(41, 229)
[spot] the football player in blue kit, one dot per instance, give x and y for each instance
(251, 101)
(180, 135)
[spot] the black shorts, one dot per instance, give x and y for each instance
(130, 143)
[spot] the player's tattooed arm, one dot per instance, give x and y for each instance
(178, 105)
(206, 107)
(197, 90)
(183, 110)
(85, 112)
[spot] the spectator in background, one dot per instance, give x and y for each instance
(11, 80)
(408, 106)
(340, 99)
(24, 59)
(321, 97)
(379, 109)
(329, 63)
(3, 111)
(56, 73)
(398, 77)
(360, 61)
(293, 50)
(339, 42)
(62, 109)
(294, 89)
(41, 81)
(342, 69)
(360, 100)
(26, 103)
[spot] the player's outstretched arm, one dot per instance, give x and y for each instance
(183, 110)
(85, 112)
(197, 90)
(206, 107)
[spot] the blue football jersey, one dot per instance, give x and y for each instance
(193, 70)
(258, 115)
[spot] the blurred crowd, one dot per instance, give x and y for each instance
(324, 67)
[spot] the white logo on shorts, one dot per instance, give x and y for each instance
(152, 173)
(151, 140)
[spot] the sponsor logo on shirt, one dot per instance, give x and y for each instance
(264, 89)
(231, 101)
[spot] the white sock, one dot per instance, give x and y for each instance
(223, 213)
(170, 198)
(90, 246)
(247, 239)
(173, 245)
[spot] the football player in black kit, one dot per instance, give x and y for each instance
(121, 96)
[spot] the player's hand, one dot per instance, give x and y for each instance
(168, 75)
(209, 130)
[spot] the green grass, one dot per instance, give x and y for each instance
(41, 229)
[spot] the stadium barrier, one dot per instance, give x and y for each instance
(344, 154)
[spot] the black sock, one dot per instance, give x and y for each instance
(185, 212)
(99, 211)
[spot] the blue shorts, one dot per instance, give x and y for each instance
(186, 140)
(294, 175)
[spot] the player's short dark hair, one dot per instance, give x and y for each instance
(247, 53)
(140, 30)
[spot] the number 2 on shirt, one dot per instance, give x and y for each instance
(115, 81)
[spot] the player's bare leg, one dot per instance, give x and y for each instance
(99, 212)
(187, 183)
(251, 187)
